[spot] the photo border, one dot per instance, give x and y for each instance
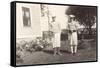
(13, 33)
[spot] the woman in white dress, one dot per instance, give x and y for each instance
(72, 36)
(56, 29)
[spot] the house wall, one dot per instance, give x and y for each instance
(38, 23)
(35, 29)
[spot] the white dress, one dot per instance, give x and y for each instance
(57, 32)
(72, 37)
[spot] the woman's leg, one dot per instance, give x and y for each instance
(55, 51)
(71, 43)
(75, 42)
(72, 49)
(58, 51)
(75, 49)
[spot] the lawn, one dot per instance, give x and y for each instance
(86, 52)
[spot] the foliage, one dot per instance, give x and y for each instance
(86, 15)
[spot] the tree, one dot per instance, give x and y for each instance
(86, 15)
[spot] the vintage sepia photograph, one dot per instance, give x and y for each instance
(55, 33)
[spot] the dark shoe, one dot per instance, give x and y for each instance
(74, 53)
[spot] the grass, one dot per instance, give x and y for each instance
(86, 52)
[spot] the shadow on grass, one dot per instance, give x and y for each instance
(65, 51)
(51, 51)
(48, 51)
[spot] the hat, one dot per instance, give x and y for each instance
(71, 16)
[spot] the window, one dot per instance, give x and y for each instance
(26, 17)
